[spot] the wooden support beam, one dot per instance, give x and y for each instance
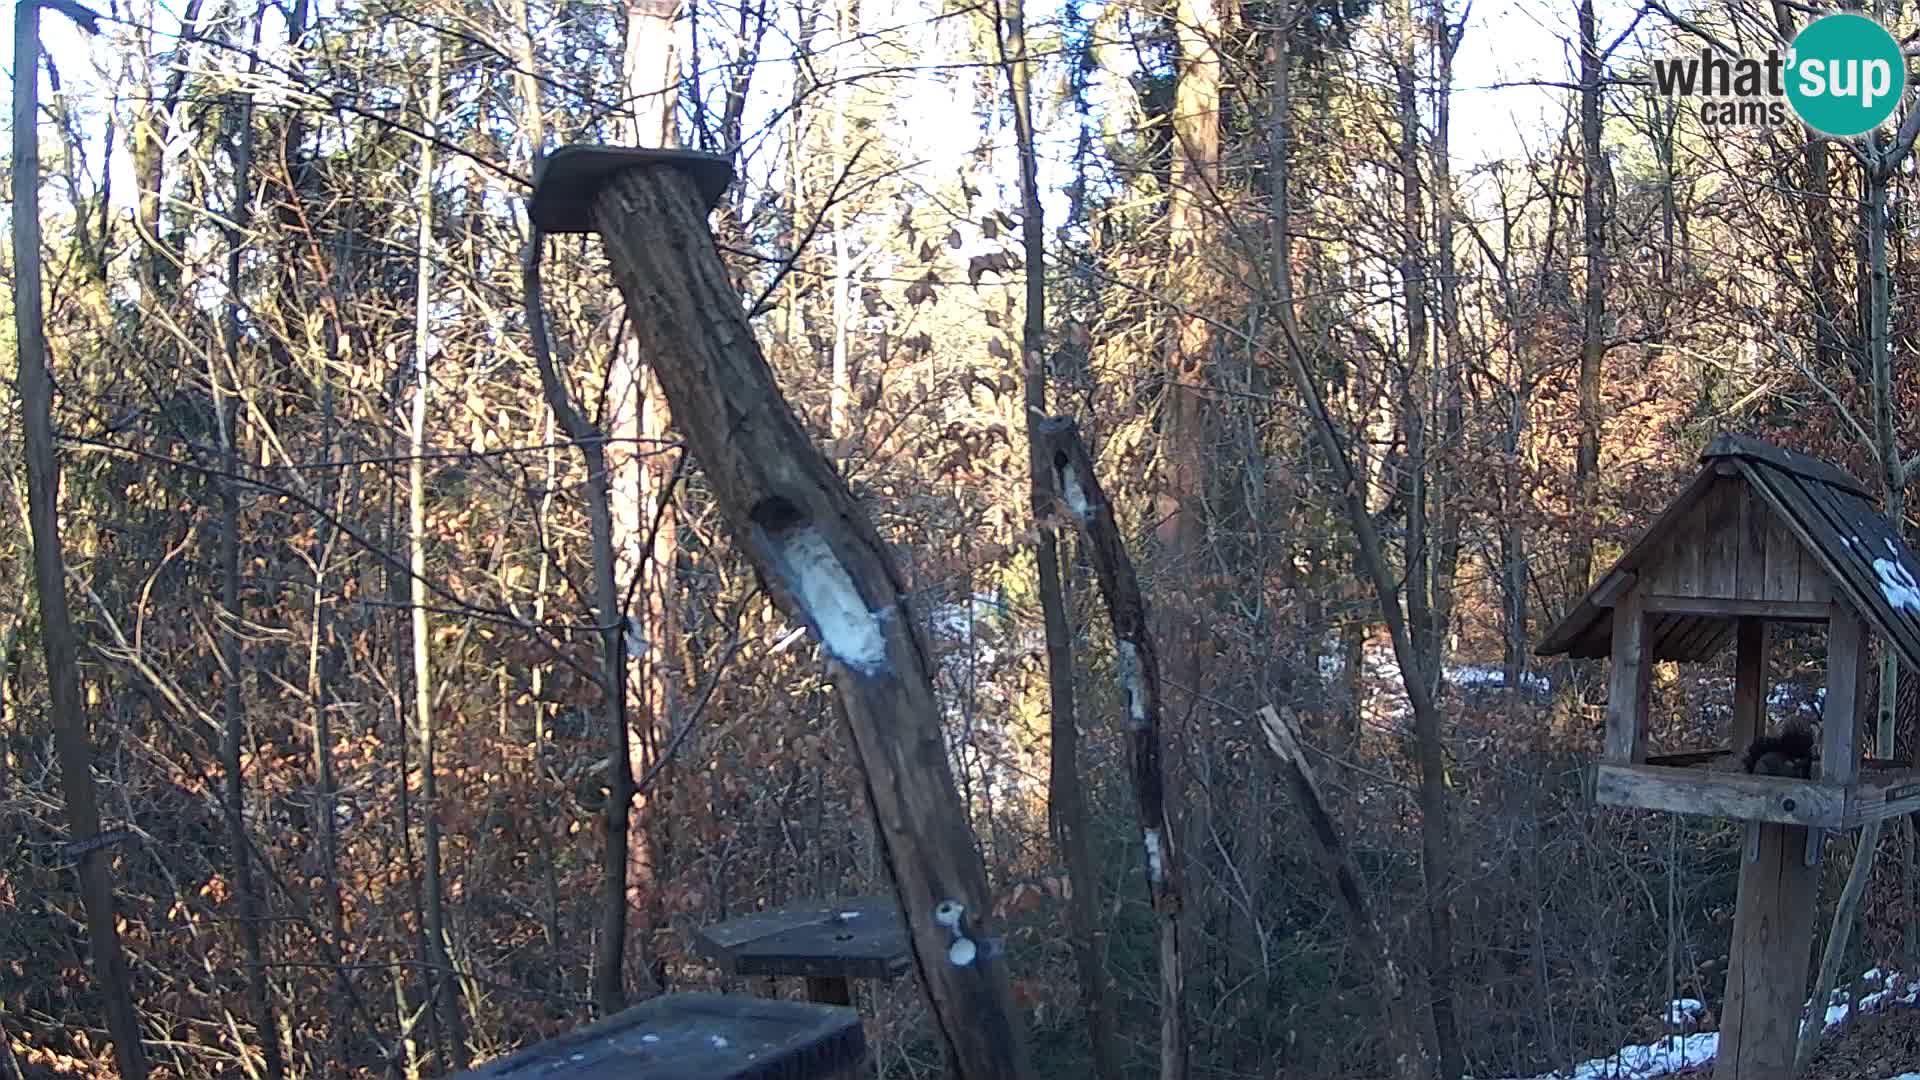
(1751, 640)
(1628, 682)
(1767, 970)
(1775, 610)
(1613, 587)
(823, 564)
(1846, 686)
(1734, 795)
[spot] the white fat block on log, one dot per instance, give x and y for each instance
(1134, 682)
(818, 582)
(1072, 493)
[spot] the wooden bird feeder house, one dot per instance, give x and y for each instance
(1761, 536)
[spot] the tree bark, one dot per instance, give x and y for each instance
(1066, 802)
(1436, 826)
(72, 739)
(645, 536)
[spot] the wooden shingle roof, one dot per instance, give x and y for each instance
(1836, 530)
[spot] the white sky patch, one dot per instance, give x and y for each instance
(1897, 585)
(833, 604)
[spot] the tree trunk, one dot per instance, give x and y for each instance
(1444, 460)
(442, 975)
(72, 739)
(645, 533)
(225, 389)
(826, 566)
(1436, 828)
(1586, 466)
(1066, 803)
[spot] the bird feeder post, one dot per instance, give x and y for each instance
(818, 553)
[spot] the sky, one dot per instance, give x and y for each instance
(1508, 45)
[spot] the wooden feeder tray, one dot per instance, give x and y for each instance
(1689, 783)
(697, 1037)
(858, 937)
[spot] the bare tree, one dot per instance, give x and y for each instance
(72, 738)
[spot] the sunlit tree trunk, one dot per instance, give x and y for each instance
(443, 978)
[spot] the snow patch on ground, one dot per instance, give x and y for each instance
(1677, 1052)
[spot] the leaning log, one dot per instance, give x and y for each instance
(1079, 492)
(818, 554)
(1409, 1061)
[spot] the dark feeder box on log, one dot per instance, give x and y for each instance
(823, 563)
(697, 1037)
(829, 944)
(1762, 536)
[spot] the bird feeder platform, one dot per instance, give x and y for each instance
(697, 1037)
(827, 942)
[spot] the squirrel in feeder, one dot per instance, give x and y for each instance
(1788, 752)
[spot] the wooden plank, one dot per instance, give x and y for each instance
(825, 565)
(1889, 795)
(1845, 531)
(1720, 552)
(1608, 592)
(1773, 610)
(1687, 556)
(862, 938)
(1871, 538)
(1750, 682)
(1710, 793)
(1782, 573)
(1628, 682)
(696, 1037)
(1752, 526)
(1846, 688)
(1692, 642)
(1767, 968)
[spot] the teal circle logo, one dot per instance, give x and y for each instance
(1845, 75)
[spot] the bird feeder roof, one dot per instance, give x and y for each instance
(1757, 520)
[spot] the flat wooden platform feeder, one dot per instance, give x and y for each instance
(827, 942)
(697, 1037)
(1690, 783)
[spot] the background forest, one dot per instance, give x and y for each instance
(335, 561)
